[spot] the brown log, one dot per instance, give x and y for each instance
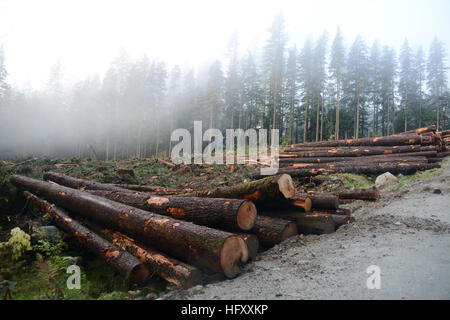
(211, 212)
(360, 194)
(443, 154)
(403, 168)
(204, 247)
(338, 219)
(261, 191)
(152, 189)
(326, 201)
(173, 271)
(412, 156)
(120, 260)
(374, 161)
(315, 224)
(431, 128)
(80, 184)
(303, 202)
(359, 151)
(394, 140)
(271, 231)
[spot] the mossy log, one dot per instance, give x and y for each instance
(120, 260)
(271, 231)
(204, 247)
(211, 212)
(261, 191)
(173, 271)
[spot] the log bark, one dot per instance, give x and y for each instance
(315, 224)
(359, 151)
(271, 231)
(173, 271)
(120, 260)
(261, 191)
(380, 158)
(375, 161)
(394, 140)
(204, 247)
(326, 201)
(322, 225)
(360, 194)
(431, 128)
(80, 184)
(152, 189)
(231, 214)
(360, 169)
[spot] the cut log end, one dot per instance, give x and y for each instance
(246, 215)
(305, 203)
(290, 231)
(286, 185)
(231, 255)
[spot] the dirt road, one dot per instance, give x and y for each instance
(406, 234)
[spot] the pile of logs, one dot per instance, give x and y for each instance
(405, 153)
(184, 236)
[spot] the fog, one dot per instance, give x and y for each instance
(112, 79)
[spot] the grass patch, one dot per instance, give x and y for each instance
(403, 180)
(346, 180)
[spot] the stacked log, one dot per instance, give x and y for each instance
(180, 234)
(405, 153)
(212, 249)
(119, 259)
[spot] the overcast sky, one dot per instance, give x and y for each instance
(87, 35)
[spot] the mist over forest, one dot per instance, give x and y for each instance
(316, 90)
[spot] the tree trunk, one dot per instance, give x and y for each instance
(359, 151)
(393, 140)
(271, 231)
(212, 212)
(80, 183)
(375, 169)
(260, 191)
(121, 261)
(173, 271)
(360, 194)
(326, 201)
(202, 246)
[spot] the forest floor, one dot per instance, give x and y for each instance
(406, 233)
